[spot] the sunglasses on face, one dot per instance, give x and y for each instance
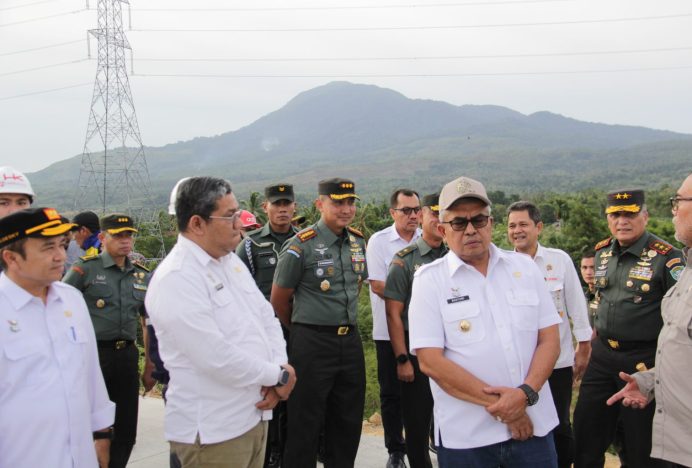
(408, 210)
(460, 224)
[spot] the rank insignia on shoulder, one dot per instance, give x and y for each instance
(405, 251)
(661, 247)
(398, 263)
(86, 258)
(354, 231)
(139, 265)
(306, 234)
(603, 243)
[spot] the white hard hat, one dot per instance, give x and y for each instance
(174, 196)
(13, 181)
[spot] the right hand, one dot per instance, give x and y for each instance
(521, 428)
(405, 371)
(630, 394)
(285, 390)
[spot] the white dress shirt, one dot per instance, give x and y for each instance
(52, 395)
(489, 326)
(382, 247)
(219, 340)
(564, 286)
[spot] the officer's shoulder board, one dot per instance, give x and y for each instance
(355, 231)
(88, 258)
(603, 243)
(660, 246)
(139, 265)
(306, 234)
(405, 251)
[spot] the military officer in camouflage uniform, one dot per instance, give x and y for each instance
(321, 270)
(260, 249)
(260, 253)
(416, 398)
(634, 269)
(114, 290)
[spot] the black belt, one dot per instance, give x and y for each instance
(334, 329)
(620, 345)
(114, 344)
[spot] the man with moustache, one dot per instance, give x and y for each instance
(315, 295)
(634, 270)
(671, 387)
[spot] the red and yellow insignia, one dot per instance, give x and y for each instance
(307, 234)
(354, 231)
(661, 247)
(603, 243)
(78, 270)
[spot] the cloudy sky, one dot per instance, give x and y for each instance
(206, 67)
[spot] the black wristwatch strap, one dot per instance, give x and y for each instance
(107, 434)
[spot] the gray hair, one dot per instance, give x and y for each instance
(199, 196)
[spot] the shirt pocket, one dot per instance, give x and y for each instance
(557, 293)
(77, 345)
(23, 362)
(222, 304)
(463, 323)
(523, 307)
(96, 292)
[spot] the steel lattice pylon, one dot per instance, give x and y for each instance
(113, 175)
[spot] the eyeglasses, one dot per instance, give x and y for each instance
(408, 210)
(231, 218)
(460, 224)
(675, 202)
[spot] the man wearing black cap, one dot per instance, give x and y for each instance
(315, 295)
(87, 233)
(260, 252)
(54, 405)
(114, 290)
(416, 398)
(634, 270)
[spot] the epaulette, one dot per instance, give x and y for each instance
(141, 266)
(86, 258)
(405, 251)
(660, 246)
(354, 231)
(603, 243)
(306, 234)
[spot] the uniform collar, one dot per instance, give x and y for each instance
(423, 247)
(266, 230)
(540, 251)
(327, 234)
(108, 261)
(393, 234)
(635, 249)
(198, 252)
(454, 263)
(18, 296)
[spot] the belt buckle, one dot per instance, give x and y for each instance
(614, 344)
(342, 330)
(120, 344)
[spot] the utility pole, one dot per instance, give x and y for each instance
(113, 174)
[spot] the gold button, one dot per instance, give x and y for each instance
(629, 283)
(324, 285)
(645, 287)
(100, 303)
(464, 326)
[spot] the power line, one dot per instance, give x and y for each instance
(415, 75)
(59, 44)
(41, 18)
(348, 7)
(408, 28)
(26, 5)
(44, 91)
(43, 67)
(416, 58)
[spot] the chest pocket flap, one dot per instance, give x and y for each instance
(463, 323)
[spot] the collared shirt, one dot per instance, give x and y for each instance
(670, 382)
(52, 395)
(405, 263)
(114, 296)
(564, 286)
(220, 341)
(489, 326)
(326, 271)
(382, 247)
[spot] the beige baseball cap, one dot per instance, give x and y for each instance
(463, 187)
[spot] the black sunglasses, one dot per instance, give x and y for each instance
(408, 210)
(460, 224)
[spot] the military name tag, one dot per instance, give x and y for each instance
(140, 286)
(325, 263)
(457, 299)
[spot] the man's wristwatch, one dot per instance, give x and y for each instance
(531, 394)
(283, 378)
(107, 434)
(402, 358)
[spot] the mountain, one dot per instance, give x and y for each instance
(382, 139)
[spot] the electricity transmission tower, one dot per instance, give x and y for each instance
(113, 174)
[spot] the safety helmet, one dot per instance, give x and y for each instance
(13, 181)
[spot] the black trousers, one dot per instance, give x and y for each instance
(390, 397)
(416, 407)
(560, 382)
(120, 368)
(594, 421)
(330, 390)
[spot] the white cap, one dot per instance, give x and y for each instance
(174, 196)
(13, 181)
(463, 187)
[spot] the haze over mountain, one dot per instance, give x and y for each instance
(382, 139)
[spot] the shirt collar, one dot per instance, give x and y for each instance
(423, 247)
(198, 252)
(327, 234)
(394, 236)
(454, 262)
(18, 296)
(109, 262)
(635, 249)
(540, 251)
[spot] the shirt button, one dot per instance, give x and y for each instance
(657, 382)
(659, 410)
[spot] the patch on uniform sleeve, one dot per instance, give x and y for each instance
(661, 247)
(673, 261)
(675, 272)
(398, 263)
(603, 243)
(306, 234)
(76, 269)
(295, 251)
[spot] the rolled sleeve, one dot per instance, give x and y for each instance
(398, 281)
(646, 382)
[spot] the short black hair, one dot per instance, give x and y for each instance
(523, 205)
(18, 247)
(588, 253)
(393, 200)
(199, 196)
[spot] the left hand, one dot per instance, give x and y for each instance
(147, 380)
(630, 394)
(269, 399)
(103, 452)
(511, 405)
(581, 359)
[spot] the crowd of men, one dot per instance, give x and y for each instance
(253, 332)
